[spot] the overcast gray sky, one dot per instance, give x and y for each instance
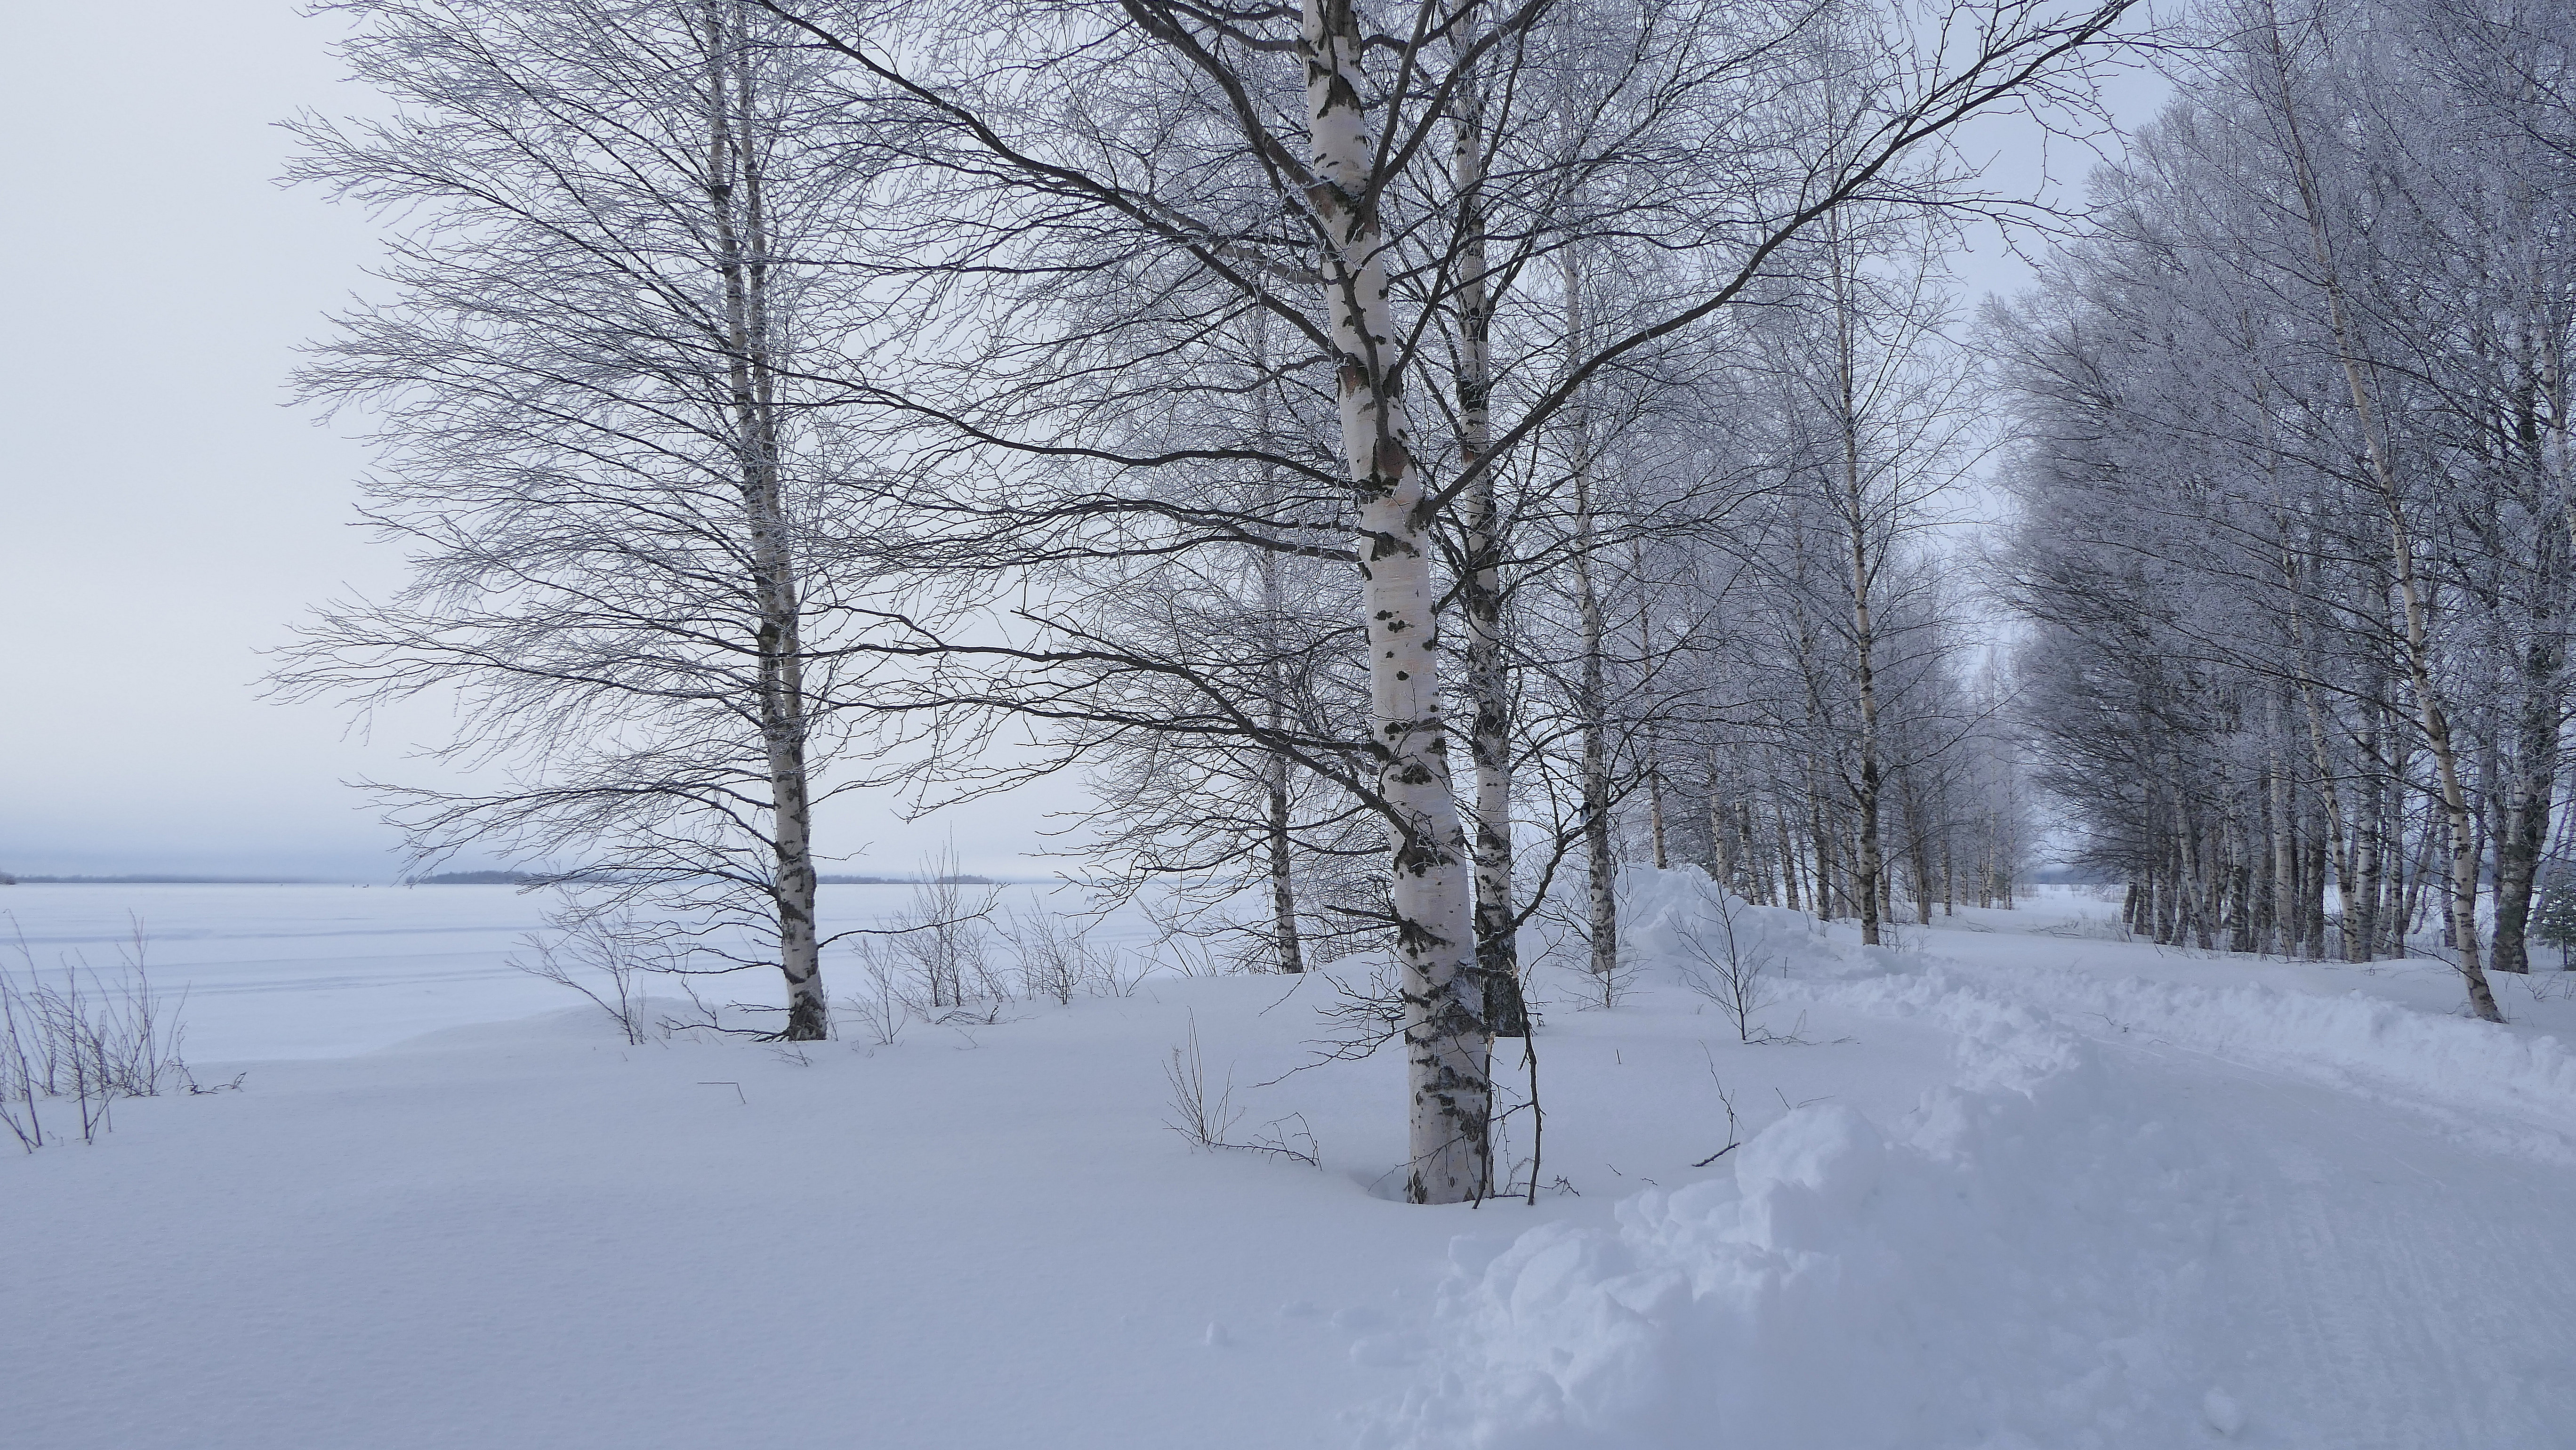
(169, 518)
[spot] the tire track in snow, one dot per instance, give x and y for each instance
(2402, 1286)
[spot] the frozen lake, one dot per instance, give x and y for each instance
(324, 971)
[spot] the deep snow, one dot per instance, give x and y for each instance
(2023, 1186)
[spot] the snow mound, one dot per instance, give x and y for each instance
(2007, 1272)
(1667, 917)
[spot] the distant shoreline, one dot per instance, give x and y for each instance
(466, 878)
(149, 880)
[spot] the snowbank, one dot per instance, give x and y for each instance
(1667, 917)
(2026, 1206)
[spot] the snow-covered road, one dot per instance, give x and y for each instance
(2165, 1199)
(2022, 1186)
(2395, 1274)
(2382, 1282)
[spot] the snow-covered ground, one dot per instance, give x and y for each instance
(2019, 1185)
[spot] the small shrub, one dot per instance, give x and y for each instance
(1053, 962)
(1207, 1121)
(1729, 970)
(603, 956)
(880, 1009)
(941, 934)
(88, 1036)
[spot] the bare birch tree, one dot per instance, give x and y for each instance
(638, 557)
(1303, 166)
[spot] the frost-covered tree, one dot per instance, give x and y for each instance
(640, 558)
(2296, 513)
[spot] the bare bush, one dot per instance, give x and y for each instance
(89, 1036)
(1726, 1100)
(1565, 932)
(1207, 1121)
(1051, 961)
(1185, 956)
(942, 934)
(881, 1010)
(1122, 981)
(604, 956)
(1194, 1116)
(1730, 971)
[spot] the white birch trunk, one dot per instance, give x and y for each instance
(1654, 762)
(1444, 1030)
(734, 193)
(1869, 863)
(2401, 550)
(1721, 854)
(1481, 597)
(1290, 951)
(1591, 704)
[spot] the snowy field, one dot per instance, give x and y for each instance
(2018, 1185)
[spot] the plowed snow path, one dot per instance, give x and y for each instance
(2165, 1200)
(2395, 1271)
(2381, 1281)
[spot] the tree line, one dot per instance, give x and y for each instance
(2297, 515)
